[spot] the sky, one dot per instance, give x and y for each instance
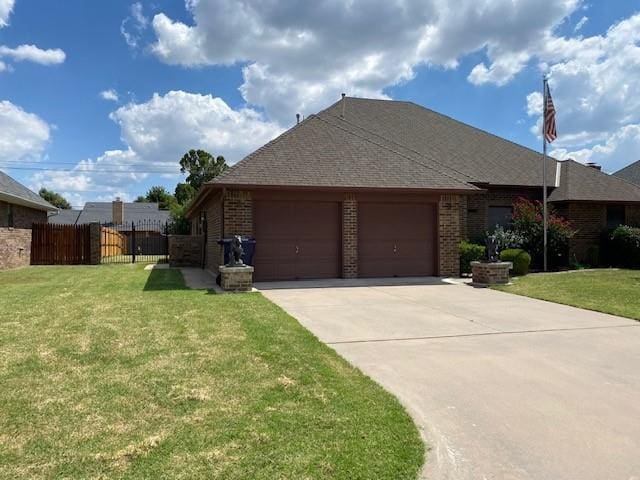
(102, 99)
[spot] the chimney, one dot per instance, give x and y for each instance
(344, 96)
(297, 118)
(594, 165)
(117, 215)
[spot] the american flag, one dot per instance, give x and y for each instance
(550, 133)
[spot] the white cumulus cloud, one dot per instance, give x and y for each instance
(110, 95)
(31, 53)
(6, 6)
(23, 135)
(301, 55)
(156, 134)
(166, 126)
(596, 90)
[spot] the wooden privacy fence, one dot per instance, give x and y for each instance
(112, 242)
(60, 244)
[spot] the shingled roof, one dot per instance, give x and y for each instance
(579, 182)
(324, 151)
(630, 173)
(364, 143)
(13, 192)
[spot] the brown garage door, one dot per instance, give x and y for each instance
(396, 239)
(296, 239)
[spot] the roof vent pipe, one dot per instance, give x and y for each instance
(344, 96)
(297, 118)
(594, 165)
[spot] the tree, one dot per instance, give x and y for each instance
(55, 199)
(201, 167)
(184, 193)
(159, 195)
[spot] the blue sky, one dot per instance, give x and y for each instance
(228, 79)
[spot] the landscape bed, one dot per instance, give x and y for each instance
(112, 371)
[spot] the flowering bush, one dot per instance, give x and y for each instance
(528, 223)
(507, 239)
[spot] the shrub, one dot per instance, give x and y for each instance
(469, 252)
(528, 222)
(622, 246)
(506, 239)
(520, 259)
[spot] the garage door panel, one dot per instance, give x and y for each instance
(396, 239)
(297, 240)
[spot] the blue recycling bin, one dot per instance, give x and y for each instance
(248, 245)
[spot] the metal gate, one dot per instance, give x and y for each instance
(143, 241)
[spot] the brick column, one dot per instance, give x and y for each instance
(95, 247)
(349, 236)
(449, 235)
(237, 213)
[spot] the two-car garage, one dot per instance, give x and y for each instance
(303, 239)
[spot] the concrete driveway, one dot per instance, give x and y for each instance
(502, 387)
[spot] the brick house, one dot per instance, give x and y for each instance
(20, 208)
(374, 188)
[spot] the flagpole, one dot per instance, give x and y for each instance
(544, 170)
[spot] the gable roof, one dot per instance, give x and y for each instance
(102, 212)
(14, 192)
(630, 173)
(579, 182)
(323, 151)
(64, 217)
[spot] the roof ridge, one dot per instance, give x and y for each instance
(421, 154)
(608, 175)
(391, 150)
(481, 130)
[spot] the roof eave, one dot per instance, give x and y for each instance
(26, 203)
(249, 186)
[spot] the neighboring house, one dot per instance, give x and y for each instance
(115, 213)
(20, 208)
(630, 173)
(374, 188)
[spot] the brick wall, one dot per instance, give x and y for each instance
(185, 250)
(632, 214)
(477, 210)
(464, 212)
(23, 217)
(449, 235)
(238, 213)
(349, 236)
(213, 216)
(589, 220)
(15, 241)
(15, 247)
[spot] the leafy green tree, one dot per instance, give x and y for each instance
(54, 199)
(201, 167)
(184, 193)
(159, 195)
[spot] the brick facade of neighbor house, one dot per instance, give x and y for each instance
(589, 220)
(15, 240)
(632, 215)
(349, 236)
(449, 235)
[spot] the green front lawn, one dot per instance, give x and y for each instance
(117, 372)
(609, 291)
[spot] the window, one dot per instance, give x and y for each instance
(615, 216)
(10, 215)
(501, 216)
